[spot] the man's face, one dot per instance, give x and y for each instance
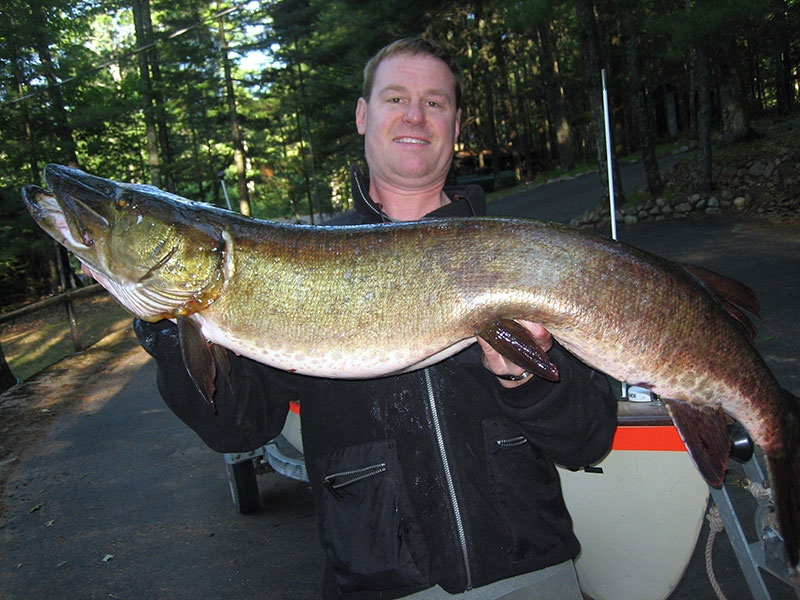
(410, 122)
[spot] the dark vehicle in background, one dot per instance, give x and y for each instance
(469, 167)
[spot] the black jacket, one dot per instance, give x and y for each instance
(435, 476)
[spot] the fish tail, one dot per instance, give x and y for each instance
(784, 468)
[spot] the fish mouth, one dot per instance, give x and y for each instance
(65, 217)
(63, 223)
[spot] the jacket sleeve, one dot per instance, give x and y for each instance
(572, 420)
(251, 403)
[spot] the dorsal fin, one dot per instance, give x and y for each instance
(734, 296)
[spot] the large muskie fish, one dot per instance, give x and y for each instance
(367, 301)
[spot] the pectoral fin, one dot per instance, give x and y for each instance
(705, 434)
(516, 344)
(200, 358)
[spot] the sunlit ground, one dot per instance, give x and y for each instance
(31, 347)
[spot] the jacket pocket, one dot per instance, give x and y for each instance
(527, 490)
(367, 528)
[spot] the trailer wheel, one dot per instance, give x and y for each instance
(244, 486)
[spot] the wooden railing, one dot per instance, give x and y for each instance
(64, 298)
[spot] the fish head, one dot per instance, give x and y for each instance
(145, 246)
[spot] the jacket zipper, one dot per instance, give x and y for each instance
(345, 478)
(462, 537)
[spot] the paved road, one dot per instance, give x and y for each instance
(563, 200)
(121, 501)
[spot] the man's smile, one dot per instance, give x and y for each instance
(410, 140)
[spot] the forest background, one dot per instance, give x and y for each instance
(189, 95)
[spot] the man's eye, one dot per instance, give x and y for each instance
(433, 104)
(395, 100)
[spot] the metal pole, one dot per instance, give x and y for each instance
(221, 176)
(609, 158)
(610, 170)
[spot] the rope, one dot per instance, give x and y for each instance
(715, 525)
(762, 494)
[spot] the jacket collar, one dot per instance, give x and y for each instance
(466, 201)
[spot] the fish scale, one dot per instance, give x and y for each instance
(374, 300)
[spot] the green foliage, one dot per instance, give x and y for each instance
(295, 107)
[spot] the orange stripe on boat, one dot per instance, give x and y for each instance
(663, 438)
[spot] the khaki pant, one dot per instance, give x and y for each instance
(559, 582)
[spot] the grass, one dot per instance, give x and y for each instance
(37, 341)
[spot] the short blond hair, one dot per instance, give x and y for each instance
(415, 45)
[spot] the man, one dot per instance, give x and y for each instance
(439, 481)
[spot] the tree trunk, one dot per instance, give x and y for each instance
(734, 114)
(641, 119)
(236, 134)
(555, 96)
(61, 126)
(703, 174)
(33, 159)
(511, 120)
(158, 98)
(781, 60)
(146, 89)
(590, 47)
(307, 121)
(525, 139)
(303, 156)
(7, 378)
(488, 93)
(198, 169)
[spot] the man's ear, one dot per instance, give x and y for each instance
(361, 116)
(458, 124)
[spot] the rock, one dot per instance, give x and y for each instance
(785, 170)
(756, 169)
(713, 202)
(769, 169)
(712, 210)
(630, 220)
(739, 201)
(683, 207)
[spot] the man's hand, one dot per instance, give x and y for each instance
(499, 365)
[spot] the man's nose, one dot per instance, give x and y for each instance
(414, 113)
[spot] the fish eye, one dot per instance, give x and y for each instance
(123, 200)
